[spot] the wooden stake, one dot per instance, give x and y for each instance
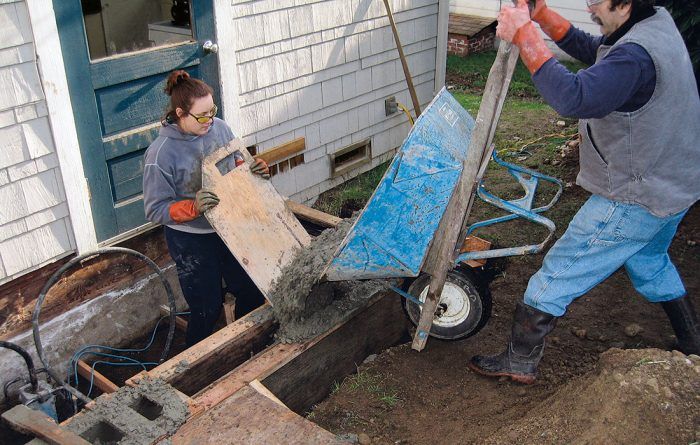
(103, 383)
(404, 63)
(446, 241)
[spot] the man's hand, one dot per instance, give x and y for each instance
(538, 7)
(205, 200)
(260, 167)
(554, 25)
(511, 19)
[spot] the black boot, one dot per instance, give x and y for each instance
(519, 361)
(685, 324)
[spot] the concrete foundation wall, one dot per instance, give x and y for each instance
(113, 319)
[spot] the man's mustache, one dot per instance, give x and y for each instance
(596, 20)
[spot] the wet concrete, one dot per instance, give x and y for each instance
(133, 415)
(306, 308)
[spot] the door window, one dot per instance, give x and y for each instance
(121, 26)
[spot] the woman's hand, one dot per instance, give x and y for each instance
(260, 167)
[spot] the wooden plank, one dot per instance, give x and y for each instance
(283, 151)
(446, 241)
(203, 363)
(387, 323)
(29, 421)
(250, 417)
(475, 244)
(229, 308)
(103, 383)
(262, 389)
(308, 378)
(180, 323)
(251, 218)
(312, 215)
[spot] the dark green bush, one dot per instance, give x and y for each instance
(686, 14)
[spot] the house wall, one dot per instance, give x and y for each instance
(35, 228)
(322, 70)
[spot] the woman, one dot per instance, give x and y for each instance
(173, 197)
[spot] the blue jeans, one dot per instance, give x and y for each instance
(604, 236)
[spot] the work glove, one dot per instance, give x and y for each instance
(189, 209)
(554, 25)
(514, 25)
(261, 168)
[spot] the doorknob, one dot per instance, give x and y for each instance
(210, 47)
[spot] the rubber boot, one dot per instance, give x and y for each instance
(525, 349)
(684, 321)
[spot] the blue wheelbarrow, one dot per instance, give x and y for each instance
(392, 236)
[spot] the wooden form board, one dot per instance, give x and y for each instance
(251, 218)
(249, 416)
(36, 423)
(442, 252)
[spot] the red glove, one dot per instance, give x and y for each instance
(554, 25)
(514, 25)
(189, 209)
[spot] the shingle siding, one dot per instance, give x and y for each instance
(34, 222)
(322, 69)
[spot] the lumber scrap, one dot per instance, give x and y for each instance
(35, 423)
(442, 253)
(282, 151)
(103, 383)
(250, 417)
(180, 323)
(262, 389)
(307, 213)
(251, 216)
(194, 368)
(302, 374)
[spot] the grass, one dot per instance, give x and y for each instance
(370, 384)
(352, 194)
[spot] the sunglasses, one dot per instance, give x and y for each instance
(590, 3)
(206, 118)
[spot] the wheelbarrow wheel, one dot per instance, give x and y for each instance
(464, 307)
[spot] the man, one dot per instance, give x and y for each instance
(639, 157)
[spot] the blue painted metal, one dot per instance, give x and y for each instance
(517, 208)
(406, 295)
(116, 102)
(392, 236)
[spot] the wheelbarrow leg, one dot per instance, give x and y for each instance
(442, 253)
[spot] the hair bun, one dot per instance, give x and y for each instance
(174, 79)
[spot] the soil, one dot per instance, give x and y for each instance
(605, 378)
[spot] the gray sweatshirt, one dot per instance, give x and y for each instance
(173, 172)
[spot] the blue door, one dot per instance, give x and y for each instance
(118, 54)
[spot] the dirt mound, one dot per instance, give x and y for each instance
(653, 393)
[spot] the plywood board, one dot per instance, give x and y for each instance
(252, 218)
(250, 417)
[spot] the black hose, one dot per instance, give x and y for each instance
(55, 277)
(27, 358)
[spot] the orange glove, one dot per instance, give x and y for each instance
(554, 25)
(514, 25)
(189, 209)
(261, 168)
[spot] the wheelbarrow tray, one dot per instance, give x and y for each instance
(393, 234)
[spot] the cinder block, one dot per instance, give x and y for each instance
(332, 91)
(301, 21)
(22, 170)
(12, 203)
(20, 85)
(310, 99)
(35, 247)
(38, 137)
(41, 191)
(13, 149)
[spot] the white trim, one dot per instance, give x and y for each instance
(441, 50)
(228, 74)
(55, 87)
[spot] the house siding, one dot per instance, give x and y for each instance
(322, 70)
(35, 227)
